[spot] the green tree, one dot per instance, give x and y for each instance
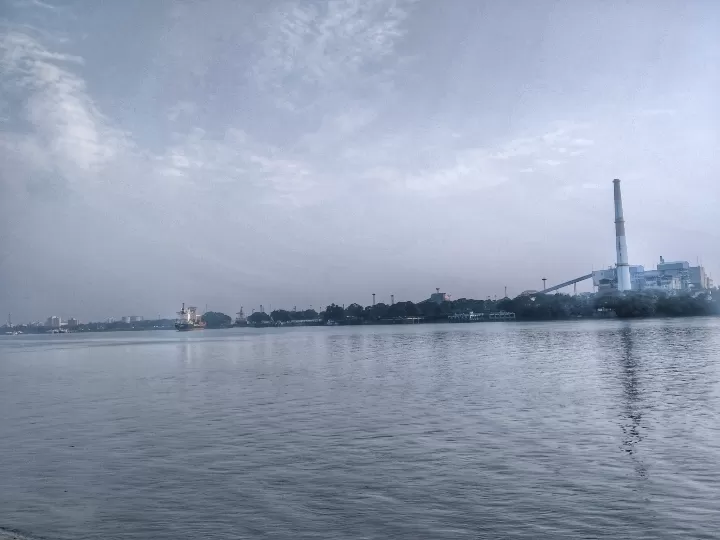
(258, 317)
(630, 305)
(354, 310)
(281, 315)
(377, 312)
(215, 319)
(334, 313)
(305, 315)
(411, 310)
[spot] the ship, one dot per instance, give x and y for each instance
(188, 319)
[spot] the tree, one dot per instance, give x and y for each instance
(396, 310)
(304, 315)
(215, 319)
(630, 305)
(411, 309)
(281, 315)
(354, 310)
(376, 312)
(334, 313)
(258, 317)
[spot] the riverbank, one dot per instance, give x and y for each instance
(537, 307)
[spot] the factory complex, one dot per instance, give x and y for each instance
(669, 276)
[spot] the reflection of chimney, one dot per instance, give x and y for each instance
(623, 269)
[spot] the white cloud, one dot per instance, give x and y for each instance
(545, 147)
(550, 162)
(472, 170)
(310, 48)
(34, 4)
(68, 134)
(182, 109)
(65, 121)
(237, 161)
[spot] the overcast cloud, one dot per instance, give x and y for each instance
(299, 153)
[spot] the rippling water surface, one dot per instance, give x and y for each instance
(562, 430)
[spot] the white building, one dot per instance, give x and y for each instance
(53, 322)
(668, 276)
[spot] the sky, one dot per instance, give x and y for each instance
(297, 153)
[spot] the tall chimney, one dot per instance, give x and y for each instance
(623, 270)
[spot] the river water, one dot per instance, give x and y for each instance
(604, 429)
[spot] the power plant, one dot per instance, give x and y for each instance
(668, 276)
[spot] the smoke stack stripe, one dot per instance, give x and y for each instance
(623, 269)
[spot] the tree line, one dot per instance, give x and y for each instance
(357, 314)
(538, 307)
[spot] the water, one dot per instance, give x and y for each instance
(602, 429)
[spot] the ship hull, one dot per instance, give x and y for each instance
(187, 327)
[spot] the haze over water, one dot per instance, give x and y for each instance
(601, 429)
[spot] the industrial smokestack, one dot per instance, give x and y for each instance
(623, 270)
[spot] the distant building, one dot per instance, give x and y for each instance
(53, 322)
(135, 318)
(605, 280)
(655, 279)
(668, 276)
(126, 319)
(439, 297)
(698, 279)
(72, 322)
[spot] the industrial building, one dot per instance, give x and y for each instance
(672, 276)
(439, 297)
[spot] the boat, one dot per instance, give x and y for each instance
(188, 319)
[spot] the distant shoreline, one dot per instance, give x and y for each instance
(524, 308)
(321, 325)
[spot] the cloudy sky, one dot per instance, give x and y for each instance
(302, 152)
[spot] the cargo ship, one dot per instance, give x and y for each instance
(188, 319)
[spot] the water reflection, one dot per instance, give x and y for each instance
(185, 353)
(632, 391)
(625, 368)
